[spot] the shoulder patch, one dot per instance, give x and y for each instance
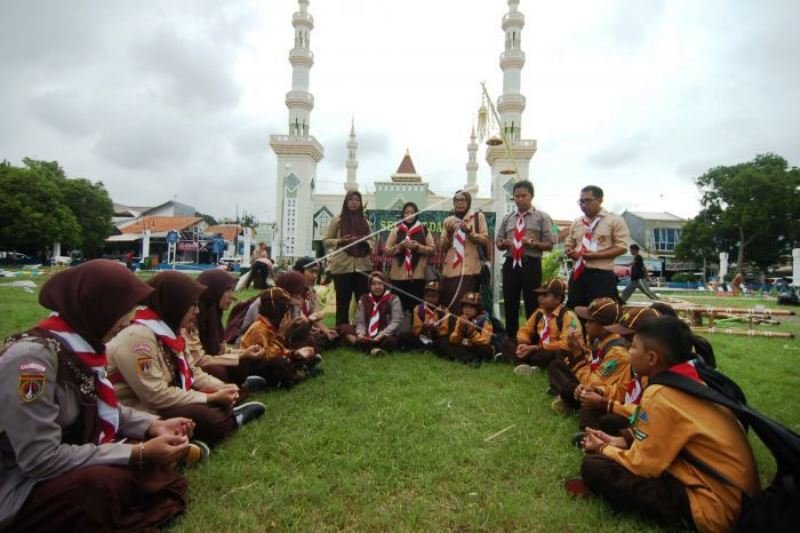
(643, 417)
(143, 365)
(143, 348)
(639, 435)
(607, 368)
(32, 367)
(30, 386)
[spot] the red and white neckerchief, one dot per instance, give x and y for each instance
(597, 357)
(176, 343)
(107, 406)
(687, 370)
(409, 232)
(375, 314)
(306, 299)
(587, 244)
(459, 239)
(430, 314)
(516, 248)
(545, 336)
(633, 393)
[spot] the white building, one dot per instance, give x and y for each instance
(303, 215)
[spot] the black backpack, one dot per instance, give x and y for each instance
(777, 508)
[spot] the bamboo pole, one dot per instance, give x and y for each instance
(744, 332)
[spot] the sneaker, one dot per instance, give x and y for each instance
(254, 384)
(498, 357)
(377, 352)
(247, 412)
(560, 406)
(197, 452)
(525, 370)
(577, 488)
(577, 439)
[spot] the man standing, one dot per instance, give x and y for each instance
(523, 235)
(638, 277)
(594, 240)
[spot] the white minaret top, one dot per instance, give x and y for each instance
(299, 100)
(472, 165)
(511, 103)
(352, 162)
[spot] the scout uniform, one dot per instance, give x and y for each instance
(407, 272)
(375, 317)
(605, 365)
(594, 278)
(278, 366)
(475, 344)
(549, 331)
(668, 425)
(149, 376)
(522, 269)
(462, 260)
(430, 326)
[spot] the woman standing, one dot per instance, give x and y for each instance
(349, 247)
(410, 243)
(63, 467)
(462, 235)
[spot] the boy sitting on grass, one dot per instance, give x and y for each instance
(471, 339)
(605, 365)
(655, 471)
(430, 323)
(544, 337)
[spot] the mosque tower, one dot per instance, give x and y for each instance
(297, 152)
(472, 165)
(510, 106)
(352, 161)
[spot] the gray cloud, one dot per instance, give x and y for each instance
(623, 152)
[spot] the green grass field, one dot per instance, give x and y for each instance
(404, 443)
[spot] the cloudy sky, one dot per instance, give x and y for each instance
(161, 99)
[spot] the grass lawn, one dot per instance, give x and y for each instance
(403, 443)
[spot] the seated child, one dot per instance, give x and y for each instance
(609, 408)
(605, 365)
(150, 370)
(310, 307)
(281, 365)
(544, 336)
(378, 319)
(471, 339)
(654, 472)
(430, 323)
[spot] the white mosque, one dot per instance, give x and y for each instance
(303, 214)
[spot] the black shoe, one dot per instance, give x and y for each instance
(314, 371)
(247, 412)
(254, 384)
(475, 363)
(577, 439)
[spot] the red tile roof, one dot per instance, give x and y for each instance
(228, 231)
(159, 224)
(406, 165)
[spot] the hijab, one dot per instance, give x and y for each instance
(209, 320)
(274, 304)
(354, 224)
(175, 293)
(93, 296)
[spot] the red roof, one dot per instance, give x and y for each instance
(158, 224)
(228, 231)
(406, 165)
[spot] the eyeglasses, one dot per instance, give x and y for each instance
(586, 201)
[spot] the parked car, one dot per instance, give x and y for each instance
(12, 257)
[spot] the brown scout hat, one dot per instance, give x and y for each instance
(632, 317)
(603, 310)
(473, 299)
(555, 286)
(432, 285)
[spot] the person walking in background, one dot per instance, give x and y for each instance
(262, 267)
(523, 235)
(639, 276)
(350, 265)
(594, 240)
(410, 243)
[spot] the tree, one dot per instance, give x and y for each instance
(39, 205)
(208, 219)
(751, 208)
(248, 220)
(33, 214)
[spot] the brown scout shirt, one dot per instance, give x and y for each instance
(558, 338)
(610, 231)
(538, 226)
(342, 262)
(398, 269)
(147, 373)
(472, 262)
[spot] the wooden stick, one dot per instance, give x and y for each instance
(745, 332)
(490, 437)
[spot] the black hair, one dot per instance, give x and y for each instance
(524, 184)
(596, 191)
(664, 308)
(634, 247)
(412, 204)
(704, 351)
(303, 263)
(670, 336)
